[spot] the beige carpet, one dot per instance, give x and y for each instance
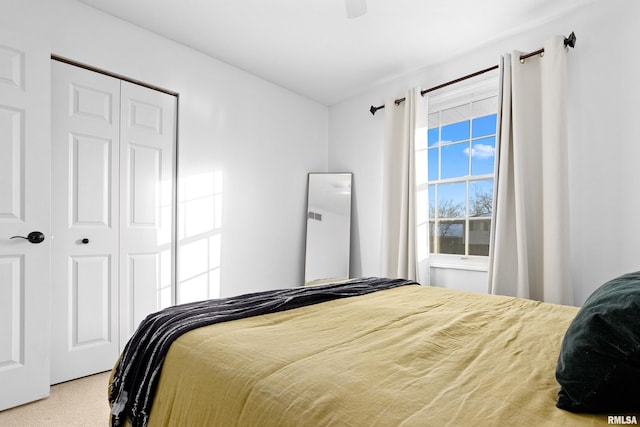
(81, 402)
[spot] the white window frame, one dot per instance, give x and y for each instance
(472, 90)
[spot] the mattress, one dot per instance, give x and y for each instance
(407, 356)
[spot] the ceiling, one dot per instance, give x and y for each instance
(312, 48)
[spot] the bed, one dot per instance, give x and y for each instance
(397, 354)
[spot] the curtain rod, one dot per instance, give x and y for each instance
(568, 41)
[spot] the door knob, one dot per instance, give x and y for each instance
(33, 237)
(84, 241)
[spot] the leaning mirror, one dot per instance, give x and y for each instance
(328, 227)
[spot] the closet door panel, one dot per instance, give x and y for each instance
(90, 312)
(148, 127)
(85, 220)
(144, 180)
(91, 179)
(144, 280)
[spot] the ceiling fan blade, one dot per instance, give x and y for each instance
(355, 8)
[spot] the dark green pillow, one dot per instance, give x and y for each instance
(599, 364)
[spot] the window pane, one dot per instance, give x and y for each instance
(455, 132)
(451, 237)
(483, 155)
(483, 126)
(455, 160)
(433, 164)
(433, 137)
(432, 237)
(461, 113)
(452, 200)
(485, 106)
(480, 198)
(479, 237)
(433, 120)
(432, 202)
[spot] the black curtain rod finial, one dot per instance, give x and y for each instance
(571, 40)
(374, 109)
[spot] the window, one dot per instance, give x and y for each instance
(455, 174)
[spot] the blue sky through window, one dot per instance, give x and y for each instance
(455, 131)
(484, 126)
(482, 155)
(451, 146)
(455, 160)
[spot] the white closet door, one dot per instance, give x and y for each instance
(148, 132)
(85, 221)
(113, 209)
(24, 208)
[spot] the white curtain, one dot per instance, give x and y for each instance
(530, 250)
(404, 123)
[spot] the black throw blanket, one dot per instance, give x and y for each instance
(135, 378)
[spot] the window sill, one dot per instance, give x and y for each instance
(460, 262)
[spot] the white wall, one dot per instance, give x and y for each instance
(262, 138)
(604, 147)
